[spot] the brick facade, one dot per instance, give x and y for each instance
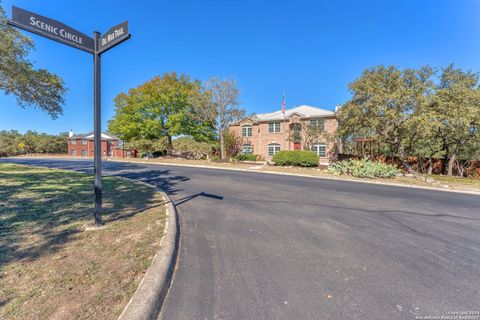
(83, 146)
(261, 138)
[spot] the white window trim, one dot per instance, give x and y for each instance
(276, 148)
(246, 131)
(275, 125)
(316, 148)
(312, 121)
(247, 145)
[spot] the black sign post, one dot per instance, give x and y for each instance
(97, 45)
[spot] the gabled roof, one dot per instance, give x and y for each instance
(304, 111)
(90, 135)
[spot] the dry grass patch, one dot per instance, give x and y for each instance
(50, 267)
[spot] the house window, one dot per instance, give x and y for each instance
(84, 153)
(247, 131)
(320, 149)
(274, 127)
(273, 149)
(296, 132)
(73, 141)
(247, 149)
(84, 142)
(318, 123)
(73, 153)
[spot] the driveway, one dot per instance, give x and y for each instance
(259, 246)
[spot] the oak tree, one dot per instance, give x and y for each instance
(31, 87)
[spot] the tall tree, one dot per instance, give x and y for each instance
(18, 77)
(455, 112)
(384, 98)
(218, 104)
(159, 108)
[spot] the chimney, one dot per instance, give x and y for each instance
(70, 133)
(337, 108)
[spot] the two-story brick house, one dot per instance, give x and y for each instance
(266, 134)
(82, 145)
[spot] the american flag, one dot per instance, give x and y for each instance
(283, 104)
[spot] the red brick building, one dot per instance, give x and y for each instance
(266, 134)
(81, 145)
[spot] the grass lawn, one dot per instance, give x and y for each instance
(50, 266)
(458, 181)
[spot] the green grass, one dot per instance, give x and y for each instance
(458, 181)
(50, 266)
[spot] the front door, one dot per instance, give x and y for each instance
(297, 146)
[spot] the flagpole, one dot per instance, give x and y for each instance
(284, 122)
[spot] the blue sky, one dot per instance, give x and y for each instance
(311, 49)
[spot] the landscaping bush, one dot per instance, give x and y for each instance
(247, 157)
(298, 158)
(364, 169)
(187, 147)
(157, 154)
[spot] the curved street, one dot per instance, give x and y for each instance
(261, 246)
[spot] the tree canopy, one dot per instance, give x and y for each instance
(218, 104)
(13, 143)
(18, 77)
(422, 112)
(160, 108)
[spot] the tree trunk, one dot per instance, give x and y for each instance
(169, 144)
(430, 166)
(222, 147)
(451, 162)
(444, 162)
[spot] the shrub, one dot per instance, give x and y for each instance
(364, 169)
(300, 158)
(247, 157)
(188, 144)
(214, 158)
(233, 143)
(157, 154)
(187, 147)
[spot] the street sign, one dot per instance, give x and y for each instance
(57, 31)
(114, 36)
(51, 29)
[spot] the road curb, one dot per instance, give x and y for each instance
(147, 300)
(411, 186)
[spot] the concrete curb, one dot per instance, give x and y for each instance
(304, 176)
(148, 299)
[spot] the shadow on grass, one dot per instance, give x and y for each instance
(41, 210)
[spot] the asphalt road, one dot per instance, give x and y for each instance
(258, 246)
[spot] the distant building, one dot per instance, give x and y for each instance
(266, 134)
(81, 145)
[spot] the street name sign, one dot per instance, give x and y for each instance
(51, 29)
(114, 36)
(60, 32)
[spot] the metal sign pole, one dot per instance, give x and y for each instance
(97, 130)
(97, 45)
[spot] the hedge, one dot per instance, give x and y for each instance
(300, 158)
(247, 157)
